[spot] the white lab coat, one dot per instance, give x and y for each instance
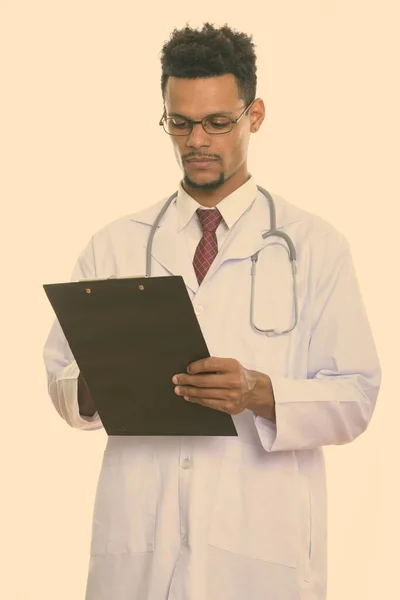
(197, 518)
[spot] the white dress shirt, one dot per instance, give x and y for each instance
(231, 208)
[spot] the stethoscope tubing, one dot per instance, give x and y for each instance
(272, 232)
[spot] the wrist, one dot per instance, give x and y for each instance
(261, 399)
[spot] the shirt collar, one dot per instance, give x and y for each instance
(231, 207)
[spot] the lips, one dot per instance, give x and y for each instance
(199, 164)
(200, 160)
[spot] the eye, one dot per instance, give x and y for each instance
(219, 122)
(177, 123)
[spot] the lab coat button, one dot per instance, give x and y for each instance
(186, 463)
(198, 310)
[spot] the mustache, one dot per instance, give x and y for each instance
(194, 155)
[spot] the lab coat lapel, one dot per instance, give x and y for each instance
(169, 246)
(170, 249)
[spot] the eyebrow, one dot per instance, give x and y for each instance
(214, 114)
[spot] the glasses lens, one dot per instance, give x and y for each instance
(217, 124)
(177, 126)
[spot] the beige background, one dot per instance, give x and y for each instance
(80, 145)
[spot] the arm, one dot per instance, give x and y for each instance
(334, 404)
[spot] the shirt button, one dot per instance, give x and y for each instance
(186, 463)
(198, 310)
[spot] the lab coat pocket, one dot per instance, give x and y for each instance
(125, 506)
(257, 512)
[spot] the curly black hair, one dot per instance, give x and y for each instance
(209, 52)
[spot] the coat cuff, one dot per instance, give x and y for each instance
(64, 393)
(317, 412)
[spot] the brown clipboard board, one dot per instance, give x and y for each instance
(129, 336)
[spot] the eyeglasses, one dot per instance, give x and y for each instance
(216, 124)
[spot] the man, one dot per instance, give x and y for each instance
(206, 518)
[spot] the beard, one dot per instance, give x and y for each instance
(211, 185)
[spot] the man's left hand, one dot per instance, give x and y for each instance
(224, 384)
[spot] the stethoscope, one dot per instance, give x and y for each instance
(272, 232)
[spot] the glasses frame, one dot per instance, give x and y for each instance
(201, 122)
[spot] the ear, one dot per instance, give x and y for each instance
(257, 115)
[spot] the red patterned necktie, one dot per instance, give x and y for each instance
(207, 248)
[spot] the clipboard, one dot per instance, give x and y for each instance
(129, 336)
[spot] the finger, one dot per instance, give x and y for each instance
(212, 364)
(220, 394)
(208, 381)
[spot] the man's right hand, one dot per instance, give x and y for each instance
(86, 403)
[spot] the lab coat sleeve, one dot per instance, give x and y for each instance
(62, 370)
(334, 404)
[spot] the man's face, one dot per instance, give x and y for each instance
(221, 157)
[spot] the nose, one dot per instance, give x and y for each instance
(198, 137)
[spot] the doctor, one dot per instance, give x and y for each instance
(203, 518)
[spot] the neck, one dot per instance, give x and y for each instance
(211, 198)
